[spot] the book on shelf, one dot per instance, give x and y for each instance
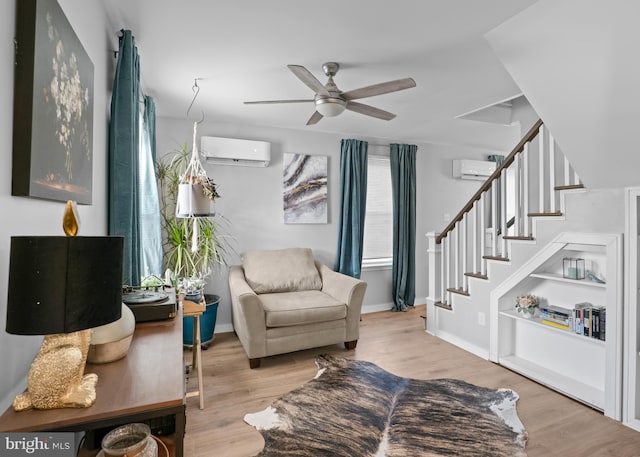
(595, 323)
(589, 320)
(555, 324)
(556, 310)
(555, 315)
(602, 324)
(584, 319)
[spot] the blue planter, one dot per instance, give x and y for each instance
(207, 322)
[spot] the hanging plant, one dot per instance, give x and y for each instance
(196, 191)
(188, 258)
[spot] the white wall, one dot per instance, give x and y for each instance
(251, 200)
(574, 61)
(28, 216)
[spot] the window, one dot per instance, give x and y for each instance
(378, 224)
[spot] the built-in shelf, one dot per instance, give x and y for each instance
(569, 386)
(577, 282)
(538, 322)
(582, 367)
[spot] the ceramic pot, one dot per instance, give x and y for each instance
(192, 201)
(207, 323)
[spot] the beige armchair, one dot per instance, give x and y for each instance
(284, 301)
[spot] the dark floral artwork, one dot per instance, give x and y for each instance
(305, 189)
(53, 117)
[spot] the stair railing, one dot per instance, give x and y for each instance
(501, 210)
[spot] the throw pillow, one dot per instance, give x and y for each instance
(281, 270)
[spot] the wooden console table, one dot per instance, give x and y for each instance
(147, 384)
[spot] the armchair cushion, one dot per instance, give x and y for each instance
(282, 270)
(298, 308)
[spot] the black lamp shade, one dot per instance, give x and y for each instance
(61, 284)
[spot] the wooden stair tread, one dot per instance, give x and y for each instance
(458, 291)
(476, 275)
(569, 187)
(497, 257)
(521, 238)
(443, 305)
(557, 213)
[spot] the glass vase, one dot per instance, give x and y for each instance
(131, 439)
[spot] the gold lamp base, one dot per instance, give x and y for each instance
(56, 377)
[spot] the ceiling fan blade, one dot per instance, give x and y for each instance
(307, 77)
(315, 117)
(379, 89)
(370, 111)
(268, 102)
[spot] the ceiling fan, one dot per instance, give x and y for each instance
(331, 101)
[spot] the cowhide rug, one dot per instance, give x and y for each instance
(355, 408)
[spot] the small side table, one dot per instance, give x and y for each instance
(195, 310)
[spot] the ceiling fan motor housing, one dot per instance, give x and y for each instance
(330, 68)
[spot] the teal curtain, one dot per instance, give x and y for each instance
(497, 158)
(403, 190)
(128, 164)
(352, 207)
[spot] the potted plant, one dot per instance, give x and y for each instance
(527, 305)
(192, 246)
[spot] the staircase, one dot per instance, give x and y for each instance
(528, 187)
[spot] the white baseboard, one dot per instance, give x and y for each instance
(366, 309)
(223, 328)
(462, 344)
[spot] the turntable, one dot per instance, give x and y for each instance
(150, 304)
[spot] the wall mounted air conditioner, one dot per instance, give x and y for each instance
(232, 151)
(473, 169)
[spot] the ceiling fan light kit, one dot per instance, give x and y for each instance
(330, 101)
(330, 106)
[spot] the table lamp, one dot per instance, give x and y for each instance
(61, 287)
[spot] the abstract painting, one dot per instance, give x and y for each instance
(304, 188)
(53, 107)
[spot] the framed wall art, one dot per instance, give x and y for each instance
(304, 188)
(53, 107)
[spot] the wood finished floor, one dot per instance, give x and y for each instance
(557, 425)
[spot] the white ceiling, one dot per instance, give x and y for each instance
(240, 49)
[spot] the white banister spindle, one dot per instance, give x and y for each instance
(483, 234)
(503, 210)
(525, 189)
(474, 234)
(494, 218)
(448, 294)
(567, 172)
(541, 185)
(463, 251)
(552, 173)
(517, 196)
(443, 271)
(449, 264)
(456, 256)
